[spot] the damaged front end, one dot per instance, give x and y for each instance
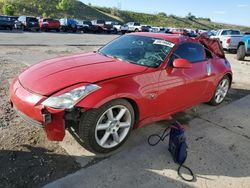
(28, 106)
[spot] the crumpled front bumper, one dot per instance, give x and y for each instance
(28, 106)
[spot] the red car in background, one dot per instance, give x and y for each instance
(48, 24)
(134, 80)
(179, 31)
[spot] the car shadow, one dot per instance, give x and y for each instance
(33, 166)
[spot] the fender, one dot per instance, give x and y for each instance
(133, 88)
(108, 92)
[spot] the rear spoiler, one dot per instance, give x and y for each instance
(213, 45)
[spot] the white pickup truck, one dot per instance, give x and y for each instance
(229, 38)
(131, 27)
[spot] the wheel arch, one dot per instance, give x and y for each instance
(135, 107)
(230, 76)
(240, 43)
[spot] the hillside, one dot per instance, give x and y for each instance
(77, 9)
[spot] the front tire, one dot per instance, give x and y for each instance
(105, 129)
(221, 91)
(241, 53)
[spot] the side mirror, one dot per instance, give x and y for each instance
(182, 63)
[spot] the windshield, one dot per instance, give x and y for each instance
(231, 32)
(100, 22)
(30, 19)
(141, 50)
(87, 22)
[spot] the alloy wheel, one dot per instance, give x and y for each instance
(113, 126)
(221, 90)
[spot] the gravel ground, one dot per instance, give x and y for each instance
(27, 158)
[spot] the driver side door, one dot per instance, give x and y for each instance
(180, 88)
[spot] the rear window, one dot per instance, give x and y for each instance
(100, 22)
(136, 24)
(87, 22)
(230, 32)
(48, 20)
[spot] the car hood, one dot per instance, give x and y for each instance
(52, 75)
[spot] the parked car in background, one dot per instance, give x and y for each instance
(17, 24)
(82, 27)
(6, 23)
(243, 48)
(229, 38)
(92, 28)
(132, 81)
(155, 29)
(210, 34)
(191, 33)
(179, 31)
(164, 30)
(68, 24)
(48, 24)
(103, 26)
(116, 26)
(29, 23)
(131, 27)
(145, 28)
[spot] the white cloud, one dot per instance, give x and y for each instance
(242, 5)
(219, 12)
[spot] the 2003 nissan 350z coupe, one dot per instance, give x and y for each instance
(132, 81)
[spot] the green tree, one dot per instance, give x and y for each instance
(8, 9)
(162, 14)
(65, 5)
(115, 11)
(190, 16)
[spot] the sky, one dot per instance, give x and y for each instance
(225, 11)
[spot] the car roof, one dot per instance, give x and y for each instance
(174, 38)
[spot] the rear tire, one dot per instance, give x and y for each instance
(241, 53)
(23, 28)
(221, 91)
(111, 137)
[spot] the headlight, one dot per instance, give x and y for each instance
(69, 99)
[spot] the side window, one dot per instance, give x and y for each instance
(209, 54)
(225, 32)
(193, 52)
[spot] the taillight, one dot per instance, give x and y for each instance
(228, 41)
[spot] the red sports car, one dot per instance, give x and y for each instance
(134, 80)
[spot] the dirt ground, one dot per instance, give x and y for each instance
(27, 158)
